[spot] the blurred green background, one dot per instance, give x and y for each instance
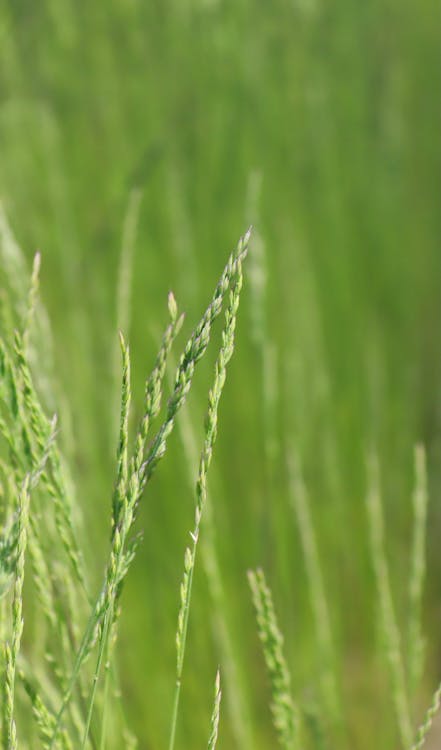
(319, 124)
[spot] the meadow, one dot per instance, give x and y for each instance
(139, 141)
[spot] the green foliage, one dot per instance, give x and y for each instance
(30, 438)
(77, 625)
(137, 139)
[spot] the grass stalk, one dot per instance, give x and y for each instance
(235, 697)
(214, 397)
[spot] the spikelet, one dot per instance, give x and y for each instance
(284, 711)
(426, 726)
(214, 726)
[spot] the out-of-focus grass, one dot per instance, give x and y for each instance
(318, 123)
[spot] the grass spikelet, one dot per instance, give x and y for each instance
(41, 576)
(300, 504)
(415, 641)
(224, 356)
(31, 441)
(45, 720)
(37, 427)
(14, 551)
(122, 451)
(12, 649)
(194, 350)
(214, 725)
(51, 608)
(285, 714)
(426, 726)
(153, 396)
(130, 473)
(391, 634)
(8, 554)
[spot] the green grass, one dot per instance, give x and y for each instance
(138, 140)
(65, 704)
(72, 678)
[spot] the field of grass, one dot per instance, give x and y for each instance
(138, 143)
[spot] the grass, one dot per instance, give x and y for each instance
(137, 141)
(25, 431)
(69, 693)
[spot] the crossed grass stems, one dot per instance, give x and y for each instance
(30, 438)
(36, 468)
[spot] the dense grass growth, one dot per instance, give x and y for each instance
(137, 140)
(70, 674)
(74, 624)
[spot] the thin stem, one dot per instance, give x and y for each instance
(102, 647)
(181, 651)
